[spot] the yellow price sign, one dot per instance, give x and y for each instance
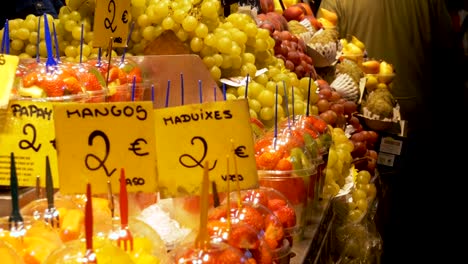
(94, 141)
(8, 65)
(111, 20)
(27, 130)
(189, 135)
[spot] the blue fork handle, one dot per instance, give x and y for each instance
(15, 212)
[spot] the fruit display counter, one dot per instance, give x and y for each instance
(318, 108)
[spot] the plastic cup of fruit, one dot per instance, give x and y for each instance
(275, 201)
(283, 254)
(214, 252)
(74, 252)
(294, 185)
(33, 242)
(9, 254)
(126, 92)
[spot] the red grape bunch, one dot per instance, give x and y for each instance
(291, 50)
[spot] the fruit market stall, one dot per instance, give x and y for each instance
(316, 108)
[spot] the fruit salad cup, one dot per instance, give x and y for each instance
(286, 165)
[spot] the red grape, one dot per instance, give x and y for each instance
(326, 93)
(323, 105)
(329, 116)
(337, 108)
(335, 96)
(350, 107)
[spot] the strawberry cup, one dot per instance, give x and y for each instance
(286, 165)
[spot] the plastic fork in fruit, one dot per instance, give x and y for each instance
(51, 214)
(125, 239)
(90, 255)
(15, 220)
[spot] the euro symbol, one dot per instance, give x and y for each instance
(239, 151)
(124, 17)
(134, 147)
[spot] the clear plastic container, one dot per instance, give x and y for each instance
(215, 252)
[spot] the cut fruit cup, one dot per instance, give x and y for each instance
(277, 203)
(258, 219)
(33, 243)
(64, 82)
(129, 92)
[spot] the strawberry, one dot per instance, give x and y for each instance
(274, 231)
(114, 74)
(30, 79)
(255, 196)
(90, 82)
(284, 164)
(275, 204)
(217, 213)
(230, 256)
(243, 236)
(217, 228)
(287, 216)
(53, 86)
(267, 160)
(251, 216)
(73, 85)
(134, 72)
(263, 254)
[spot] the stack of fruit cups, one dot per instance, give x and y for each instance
(256, 230)
(33, 242)
(63, 82)
(285, 164)
(277, 203)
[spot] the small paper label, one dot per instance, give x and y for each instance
(390, 145)
(8, 65)
(386, 159)
(111, 20)
(239, 81)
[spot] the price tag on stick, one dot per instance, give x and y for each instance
(112, 19)
(8, 65)
(95, 140)
(27, 129)
(189, 135)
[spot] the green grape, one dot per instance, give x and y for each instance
(24, 56)
(76, 32)
(138, 3)
(148, 33)
(71, 51)
(168, 23)
(362, 205)
(255, 105)
(239, 37)
(332, 157)
(236, 51)
(371, 191)
(179, 15)
(209, 61)
(255, 89)
(270, 86)
(267, 113)
(266, 98)
(158, 30)
(14, 23)
(251, 29)
(69, 25)
(232, 90)
(248, 68)
(252, 113)
(86, 50)
(224, 45)
(227, 61)
(240, 91)
(263, 34)
(42, 49)
(32, 37)
(230, 97)
(143, 20)
(30, 24)
(218, 59)
(201, 31)
(31, 49)
(262, 79)
(358, 194)
(196, 45)
(215, 72)
(236, 62)
(209, 9)
(208, 51)
(189, 23)
(17, 44)
(182, 34)
(248, 58)
(22, 33)
(355, 215)
(161, 11)
(210, 40)
(363, 176)
(74, 15)
(299, 107)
